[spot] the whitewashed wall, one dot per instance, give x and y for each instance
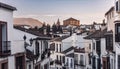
(18, 35)
(7, 16)
(103, 47)
(18, 41)
(11, 62)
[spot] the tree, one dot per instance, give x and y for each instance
(48, 29)
(36, 28)
(41, 30)
(59, 29)
(54, 28)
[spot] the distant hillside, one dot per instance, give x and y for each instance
(27, 21)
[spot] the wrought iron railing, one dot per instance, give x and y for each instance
(76, 62)
(58, 62)
(6, 48)
(81, 63)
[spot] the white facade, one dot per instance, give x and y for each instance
(69, 62)
(7, 16)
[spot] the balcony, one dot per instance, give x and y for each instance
(58, 62)
(66, 64)
(76, 62)
(6, 49)
(81, 63)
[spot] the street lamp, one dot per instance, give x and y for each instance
(25, 43)
(31, 42)
(24, 37)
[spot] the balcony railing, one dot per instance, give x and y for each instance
(81, 63)
(58, 62)
(6, 48)
(76, 62)
(66, 64)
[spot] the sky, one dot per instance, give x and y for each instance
(48, 11)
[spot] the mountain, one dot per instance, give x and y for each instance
(27, 21)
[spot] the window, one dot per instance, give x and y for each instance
(30, 66)
(99, 63)
(93, 46)
(67, 62)
(60, 47)
(56, 47)
(63, 59)
(71, 63)
(57, 57)
(76, 58)
(118, 29)
(60, 59)
(20, 62)
(98, 47)
(117, 32)
(109, 42)
(89, 46)
(89, 58)
(41, 45)
(3, 37)
(52, 46)
(81, 60)
(45, 44)
(37, 47)
(117, 6)
(93, 63)
(111, 63)
(118, 61)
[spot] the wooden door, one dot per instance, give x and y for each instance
(4, 65)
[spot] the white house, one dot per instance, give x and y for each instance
(6, 37)
(57, 56)
(41, 52)
(113, 21)
(116, 33)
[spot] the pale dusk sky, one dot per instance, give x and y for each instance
(49, 11)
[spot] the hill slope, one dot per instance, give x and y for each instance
(27, 21)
